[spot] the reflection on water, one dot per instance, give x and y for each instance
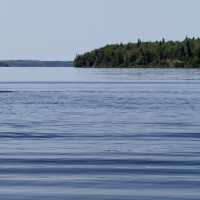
(70, 74)
(135, 138)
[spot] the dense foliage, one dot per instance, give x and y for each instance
(144, 54)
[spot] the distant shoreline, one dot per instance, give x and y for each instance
(34, 63)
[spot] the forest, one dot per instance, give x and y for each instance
(161, 53)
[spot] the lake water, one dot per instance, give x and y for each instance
(99, 134)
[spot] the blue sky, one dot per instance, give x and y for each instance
(60, 29)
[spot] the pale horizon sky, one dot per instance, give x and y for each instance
(60, 29)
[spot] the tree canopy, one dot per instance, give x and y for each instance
(162, 53)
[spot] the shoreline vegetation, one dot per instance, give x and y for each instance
(161, 54)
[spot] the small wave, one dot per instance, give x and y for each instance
(2, 91)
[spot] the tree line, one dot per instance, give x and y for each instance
(162, 53)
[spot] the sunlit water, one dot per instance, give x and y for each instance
(99, 134)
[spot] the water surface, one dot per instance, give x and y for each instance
(96, 134)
